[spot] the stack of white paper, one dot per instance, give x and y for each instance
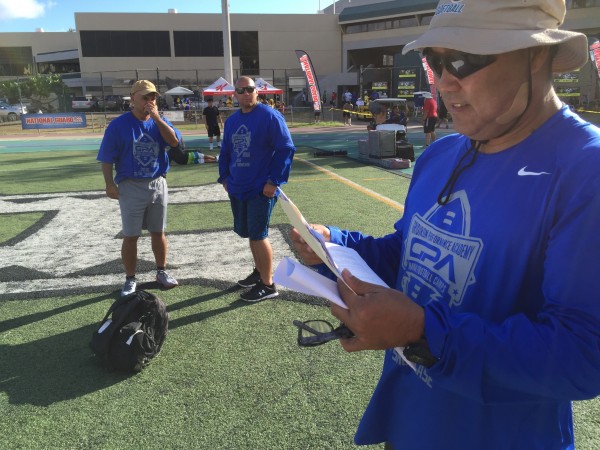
(293, 275)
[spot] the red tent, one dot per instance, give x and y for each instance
(219, 87)
(263, 87)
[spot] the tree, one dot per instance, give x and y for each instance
(43, 90)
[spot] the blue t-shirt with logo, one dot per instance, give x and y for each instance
(135, 147)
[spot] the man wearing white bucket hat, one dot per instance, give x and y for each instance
(494, 264)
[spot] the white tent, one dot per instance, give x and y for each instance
(263, 87)
(219, 87)
(179, 90)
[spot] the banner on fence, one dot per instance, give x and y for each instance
(56, 120)
(173, 116)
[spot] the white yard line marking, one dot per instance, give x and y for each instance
(388, 201)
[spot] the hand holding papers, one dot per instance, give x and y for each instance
(295, 276)
(314, 239)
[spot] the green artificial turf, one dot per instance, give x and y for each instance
(230, 375)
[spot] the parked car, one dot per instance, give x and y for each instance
(84, 104)
(111, 103)
(11, 113)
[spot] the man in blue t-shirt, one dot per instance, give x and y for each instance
(256, 157)
(134, 145)
(492, 270)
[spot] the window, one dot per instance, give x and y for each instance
(247, 49)
(198, 43)
(376, 26)
(356, 28)
(402, 22)
(125, 43)
(15, 61)
(575, 4)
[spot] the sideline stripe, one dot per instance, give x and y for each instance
(394, 204)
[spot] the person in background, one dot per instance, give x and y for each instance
(281, 106)
(317, 115)
(184, 157)
(347, 96)
(397, 116)
(212, 120)
(430, 117)
(442, 114)
(493, 266)
(177, 103)
(135, 145)
(187, 107)
(256, 158)
(379, 112)
(347, 113)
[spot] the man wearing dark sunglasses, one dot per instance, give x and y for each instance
(256, 157)
(494, 263)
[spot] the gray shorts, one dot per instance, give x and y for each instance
(143, 205)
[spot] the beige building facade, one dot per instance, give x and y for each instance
(354, 46)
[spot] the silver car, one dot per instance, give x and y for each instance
(11, 113)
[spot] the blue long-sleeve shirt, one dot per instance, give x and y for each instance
(507, 275)
(257, 147)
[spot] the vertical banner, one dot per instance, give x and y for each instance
(430, 78)
(595, 56)
(311, 79)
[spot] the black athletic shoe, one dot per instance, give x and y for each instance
(260, 292)
(250, 280)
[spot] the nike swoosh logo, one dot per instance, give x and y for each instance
(522, 172)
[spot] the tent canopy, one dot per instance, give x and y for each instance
(179, 90)
(265, 87)
(219, 87)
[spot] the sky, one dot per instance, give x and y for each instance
(58, 15)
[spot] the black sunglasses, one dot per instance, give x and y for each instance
(459, 64)
(248, 89)
(316, 332)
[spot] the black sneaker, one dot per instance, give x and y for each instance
(250, 280)
(260, 292)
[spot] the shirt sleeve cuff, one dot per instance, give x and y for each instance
(335, 235)
(435, 328)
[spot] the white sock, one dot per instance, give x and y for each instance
(211, 146)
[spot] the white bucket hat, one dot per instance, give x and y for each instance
(490, 27)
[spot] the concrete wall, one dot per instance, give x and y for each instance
(41, 42)
(279, 35)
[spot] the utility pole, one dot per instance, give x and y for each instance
(227, 41)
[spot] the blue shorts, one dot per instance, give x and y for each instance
(251, 217)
